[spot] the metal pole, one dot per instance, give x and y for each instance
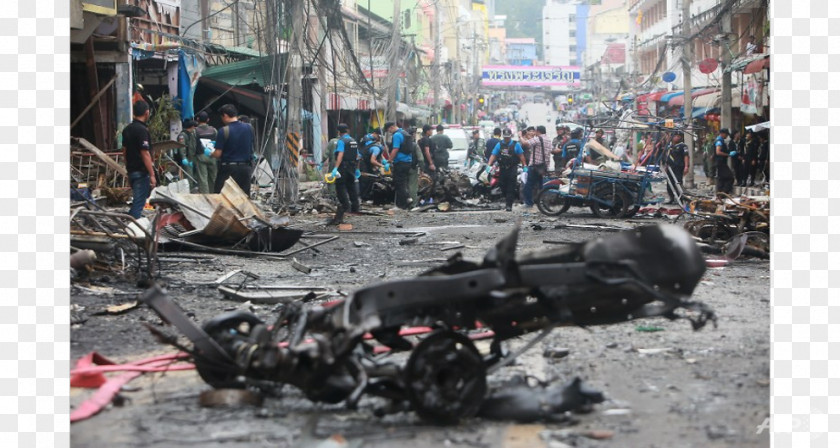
(726, 60)
(436, 62)
(688, 107)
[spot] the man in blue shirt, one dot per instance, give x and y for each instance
(371, 161)
(509, 154)
(347, 165)
(569, 150)
(234, 149)
(401, 154)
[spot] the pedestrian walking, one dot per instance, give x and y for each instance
(509, 154)
(234, 149)
(137, 150)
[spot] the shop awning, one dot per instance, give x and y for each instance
(252, 71)
(755, 63)
(759, 127)
(679, 100)
(757, 66)
(657, 96)
(667, 97)
(713, 99)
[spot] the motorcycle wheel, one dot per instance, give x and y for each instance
(632, 211)
(610, 193)
(551, 203)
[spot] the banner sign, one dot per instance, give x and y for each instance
(517, 75)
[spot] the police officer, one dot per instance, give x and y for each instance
(402, 148)
(371, 161)
(677, 161)
(234, 149)
(569, 150)
(725, 178)
(347, 166)
(509, 154)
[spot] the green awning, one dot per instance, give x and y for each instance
(243, 73)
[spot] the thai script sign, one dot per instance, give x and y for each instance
(515, 75)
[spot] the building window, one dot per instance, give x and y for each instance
(573, 49)
(572, 18)
(572, 33)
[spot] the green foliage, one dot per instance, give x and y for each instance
(163, 112)
(524, 19)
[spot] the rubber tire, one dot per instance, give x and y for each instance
(551, 210)
(619, 198)
(445, 378)
(632, 211)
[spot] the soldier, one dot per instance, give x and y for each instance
(205, 168)
(188, 153)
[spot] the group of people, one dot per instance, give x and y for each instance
(209, 156)
(399, 152)
(749, 162)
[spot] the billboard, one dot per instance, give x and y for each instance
(517, 75)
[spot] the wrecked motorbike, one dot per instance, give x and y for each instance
(328, 350)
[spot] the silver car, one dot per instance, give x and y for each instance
(460, 143)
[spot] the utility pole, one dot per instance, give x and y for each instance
(436, 63)
(394, 64)
(294, 99)
(726, 61)
(688, 107)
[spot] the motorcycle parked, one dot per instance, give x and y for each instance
(486, 185)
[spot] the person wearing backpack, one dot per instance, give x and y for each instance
(346, 171)
(205, 168)
(509, 154)
(402, 146)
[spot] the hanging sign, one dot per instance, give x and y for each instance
(518, 75)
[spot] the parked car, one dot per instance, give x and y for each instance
(460, 143)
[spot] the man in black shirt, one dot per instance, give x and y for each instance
(678, 162)
(234, 149)
(428, 148)
(752, 156)
(137, 148)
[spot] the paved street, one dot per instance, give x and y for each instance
(674, 387)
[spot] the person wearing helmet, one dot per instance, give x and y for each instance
(509, 154)
(569, 150)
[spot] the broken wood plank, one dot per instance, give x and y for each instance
(453, 247)
(102, 156)
(93, 102)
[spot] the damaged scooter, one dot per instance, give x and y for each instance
(334, 352)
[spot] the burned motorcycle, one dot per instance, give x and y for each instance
(328, 351)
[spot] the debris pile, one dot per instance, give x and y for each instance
(333, 351)
(723, 219)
